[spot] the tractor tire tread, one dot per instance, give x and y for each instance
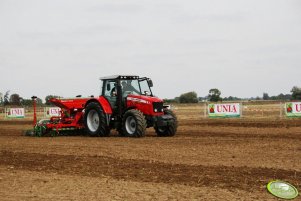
(103, 129)
(169, 130)
(140, 121)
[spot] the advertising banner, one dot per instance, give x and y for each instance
(224, 110)
(52, 111)
(293, 109)
(15, 112)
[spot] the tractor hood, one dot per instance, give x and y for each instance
(148, 105)
(143, 99)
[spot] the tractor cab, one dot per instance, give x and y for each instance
(117, 88)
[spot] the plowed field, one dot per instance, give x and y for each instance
(208, 159)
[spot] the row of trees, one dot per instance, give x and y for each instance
(16, 99)
(215, 96)
(189, 97)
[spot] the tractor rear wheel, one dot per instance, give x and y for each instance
(95, 121)
(169, 130)
(133, 123)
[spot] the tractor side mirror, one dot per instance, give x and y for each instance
(108, 87)
(150, 83)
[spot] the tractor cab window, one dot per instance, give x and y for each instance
(110, 89)
(110, 92)
(130, 87)
(145, 89)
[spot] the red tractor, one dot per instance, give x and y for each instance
(126, 104)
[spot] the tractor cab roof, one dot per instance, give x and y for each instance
(120, 77)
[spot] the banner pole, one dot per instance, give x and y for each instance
(241, 109)
(34, 110)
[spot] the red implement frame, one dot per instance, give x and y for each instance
(71, 114)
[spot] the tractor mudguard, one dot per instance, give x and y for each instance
(104, 103)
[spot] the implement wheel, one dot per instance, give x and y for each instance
(133, 124)
(95, 121)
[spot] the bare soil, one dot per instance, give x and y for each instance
(208, 159)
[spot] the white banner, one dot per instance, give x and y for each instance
(293, 109)
(224, 110)
(52, 111)
(15, 112)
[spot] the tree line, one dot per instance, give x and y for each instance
(214, 95)
(16, 100)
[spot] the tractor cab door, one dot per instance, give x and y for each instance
(110, 92)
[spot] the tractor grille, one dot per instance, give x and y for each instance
(158, 106)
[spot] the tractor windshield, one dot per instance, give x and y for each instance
(130, 87)
(137, 87)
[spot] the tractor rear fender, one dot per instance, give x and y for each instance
(104, 104)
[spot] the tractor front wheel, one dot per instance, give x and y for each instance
(95, 121)
(169, 130)
(133, 124)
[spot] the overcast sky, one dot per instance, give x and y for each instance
(62, 47)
